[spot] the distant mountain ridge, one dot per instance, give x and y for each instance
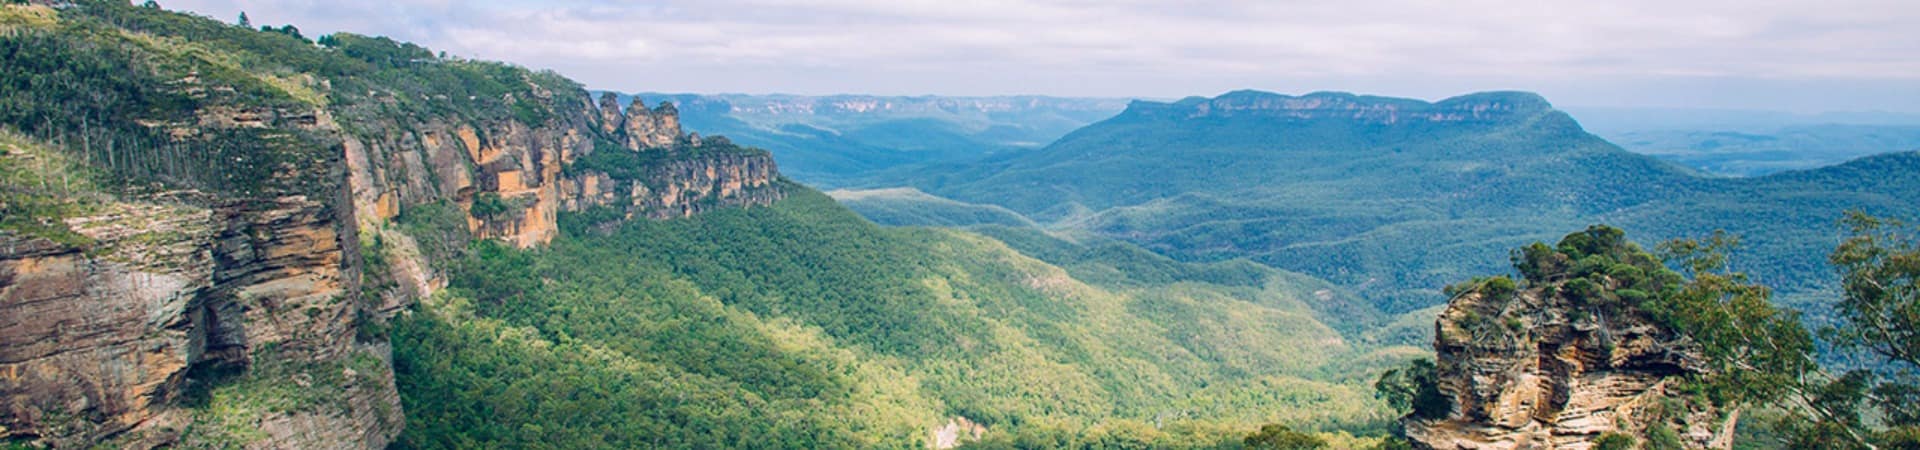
(1394, 197)
(1763, 151)
(1486, 106)
(839, 140)
(777, 104)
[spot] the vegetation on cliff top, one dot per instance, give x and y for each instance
(40, 188)
(142, 92)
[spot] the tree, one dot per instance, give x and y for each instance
(244, 22)
(1879, 265)
(150, 4)
(1755, 353)
(1762, 354)
(1414, 388)
(1279, 437)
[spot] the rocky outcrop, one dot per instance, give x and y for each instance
(1557, 367)
(651, 127)
(681, 187)
(956, 431)
(612, 121)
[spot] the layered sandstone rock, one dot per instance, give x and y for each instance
(1537, 370)
(101, 342)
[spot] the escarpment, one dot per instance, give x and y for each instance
(1486, 107)
(513, 178)
(207, 257)
(1568, 358)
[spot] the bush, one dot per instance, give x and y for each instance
(1614, 441)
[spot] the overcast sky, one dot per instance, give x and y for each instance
(1815, 55)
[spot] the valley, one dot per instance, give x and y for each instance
(216, 235)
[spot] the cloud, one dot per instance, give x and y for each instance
(1147, 48)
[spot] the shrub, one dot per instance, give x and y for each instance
(1614, 441)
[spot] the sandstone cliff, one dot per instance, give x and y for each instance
(103, 343)
(519, 171)
(227, 281)
(1566, 360)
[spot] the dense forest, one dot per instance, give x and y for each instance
(804, 324)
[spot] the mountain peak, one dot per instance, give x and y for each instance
(1477, 107)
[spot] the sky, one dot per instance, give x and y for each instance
(1801, 56)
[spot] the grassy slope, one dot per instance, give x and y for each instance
(802, 322)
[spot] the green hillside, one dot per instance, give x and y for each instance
(1394, 197)
(802, 324)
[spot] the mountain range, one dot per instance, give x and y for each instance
(217, 236)
(1394, 198)
(834, 141)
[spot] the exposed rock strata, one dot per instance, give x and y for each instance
(99, 342)
(1535, 371)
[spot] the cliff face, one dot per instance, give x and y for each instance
(1561, 363)
(246, 310)
(516, 171)
(105, 342)
(102, 342)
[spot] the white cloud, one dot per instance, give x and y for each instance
(1145, 48)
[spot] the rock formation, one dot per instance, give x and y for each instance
(611, 119)
(646, 128)
(680, 188)
(1552, 367)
